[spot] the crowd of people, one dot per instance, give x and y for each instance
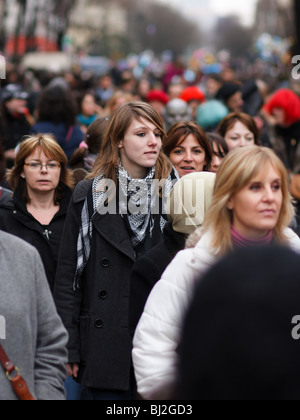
(153, 206)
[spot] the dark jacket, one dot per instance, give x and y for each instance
(5, 195)
(12, 130)
(96, 316)
(286, 142)
(16, 220)
(148, 270)
(69, 139)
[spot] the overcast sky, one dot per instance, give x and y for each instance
(207, 10)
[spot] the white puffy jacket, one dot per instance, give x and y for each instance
(159, 331)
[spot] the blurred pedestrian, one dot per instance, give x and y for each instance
(56, 113)
(219, 151)
(110, 223)
(89, 111)
(42, 190)
(231, 95)
(15, 120)
(284, 108)
(83, 160)
(194, 97)
(251, 207)
(237, 342)
(239, 130)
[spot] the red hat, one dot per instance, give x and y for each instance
(192, 93)
(158, 96)
(288, 101)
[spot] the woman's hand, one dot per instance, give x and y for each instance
(72, 370)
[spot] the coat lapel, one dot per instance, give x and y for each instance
(112, 228)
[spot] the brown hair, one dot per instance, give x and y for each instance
(228, 122)
(180, 131)
(236, 171)
(121, 119)
(48, 144)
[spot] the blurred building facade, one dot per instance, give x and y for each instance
(92, 19)
(275, 17)
(33, 25)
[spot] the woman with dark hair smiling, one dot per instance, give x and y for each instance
(188, 148)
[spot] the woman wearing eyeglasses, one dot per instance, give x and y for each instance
(42, 187)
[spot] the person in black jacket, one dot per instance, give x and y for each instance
(15, 120)
(187, 205)
(38, 209)
(111, 221)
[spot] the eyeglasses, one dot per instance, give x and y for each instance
(34, 166)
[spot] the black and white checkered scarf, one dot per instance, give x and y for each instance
(138, 203)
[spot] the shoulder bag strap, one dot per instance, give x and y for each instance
(18, 384)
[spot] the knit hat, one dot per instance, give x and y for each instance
(189, 201)
(237, 342)
(228, 90)
(192, 93)
(158, 96)
(289, 102)
(210, 114)
(13, 91)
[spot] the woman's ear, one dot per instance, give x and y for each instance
(230, 204)
(23, 175)
(120, 145)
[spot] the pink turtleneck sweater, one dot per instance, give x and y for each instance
(241, 241)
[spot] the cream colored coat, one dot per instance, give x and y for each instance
(159, 331)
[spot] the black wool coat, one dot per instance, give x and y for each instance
(16, 220)
(97, 315)
(148, 270)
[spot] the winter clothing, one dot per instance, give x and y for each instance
(96, 313)
(286, 142)
(237, 342)
(240, 241)
(192, 93)
(12, 129)
(158, 96)
(210, 114)
(187, 205)
(5, 195)
(289, 102)
(189, 201)
(228, 90)
(148, 270)
(16, 220)
(158, 334)
(35, 337)
(69, 138)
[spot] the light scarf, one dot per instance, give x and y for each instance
(139, 202)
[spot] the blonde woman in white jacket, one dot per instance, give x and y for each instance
(251, 206)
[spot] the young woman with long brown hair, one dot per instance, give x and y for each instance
(114, 217)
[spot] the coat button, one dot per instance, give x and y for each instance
(99, 323)
(103, 294)
(105, 262)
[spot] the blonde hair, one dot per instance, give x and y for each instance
(48, 144)
(236, 172)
